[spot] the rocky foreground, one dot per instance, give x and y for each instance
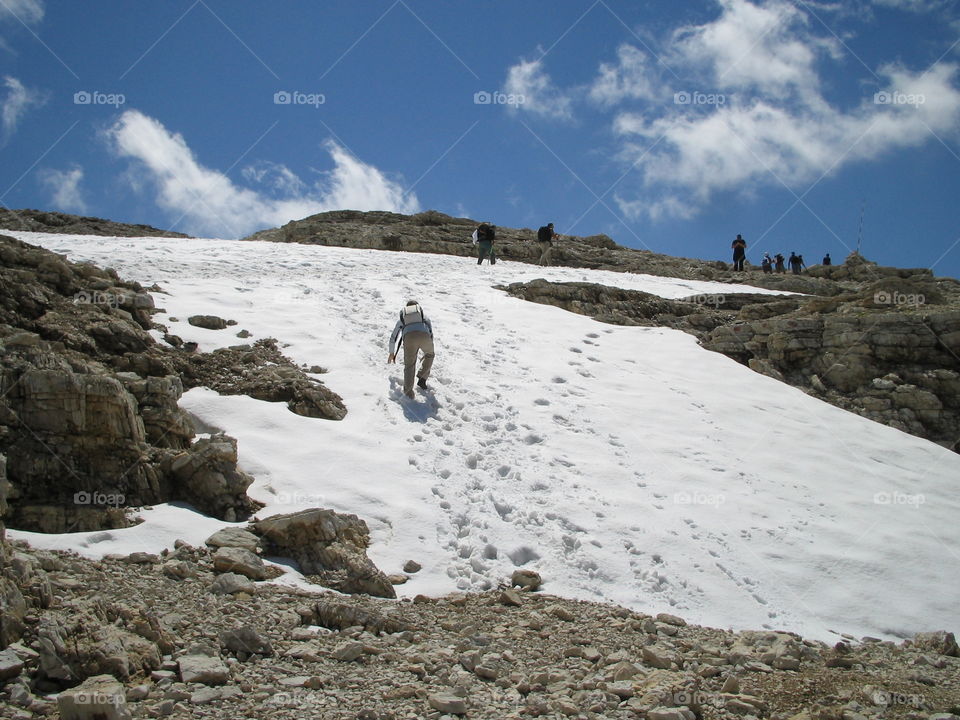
(183, 636)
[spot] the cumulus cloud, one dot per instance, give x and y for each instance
(210, 203)
(16, 102)
(751, 110)
(64, 186)
(527, 79)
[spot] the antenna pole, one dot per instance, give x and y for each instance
(863, 207)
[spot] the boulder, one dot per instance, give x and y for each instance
(101, 697)
(328, 545)
(239, 560)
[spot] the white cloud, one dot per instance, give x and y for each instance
(28, 12)
(528, 80)
(15, 104)
(766, 48)
(211, 204)
(65, 188)
(739, 145)
(630, 78)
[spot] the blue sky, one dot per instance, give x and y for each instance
(668, 126)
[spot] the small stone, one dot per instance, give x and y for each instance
(526, 579)
(561, 613)
(10, 664)
(730, 685)
(231, 583)
(657, 659)
(671, 620)
(203, 669)
(448, 703)
(397, 579)
(348, 652)
(510, 597)
(412, 566)
(247, 640)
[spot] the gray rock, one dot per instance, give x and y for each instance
(232, 583)
(10, 664)
(239, 560)
(203, 669)
(234, 537)
(448, 703)
(246, 640)
(209, 322)
(526, 579)
(100, 697)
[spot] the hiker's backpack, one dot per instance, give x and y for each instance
(544, 234)
(411, 314)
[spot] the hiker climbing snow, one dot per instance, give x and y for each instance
(484, 236)
(545, 238)
(415, 333)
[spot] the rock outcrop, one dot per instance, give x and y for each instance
(55, 222)
(328, 545)
(89, 421)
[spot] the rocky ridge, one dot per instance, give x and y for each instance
(55, 222)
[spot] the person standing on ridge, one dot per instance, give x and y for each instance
(767, 264)
(827, 260)
(739, 246)
(486, 233)
(778, 263)
(796, 262)
(545, 238)
(416, 333)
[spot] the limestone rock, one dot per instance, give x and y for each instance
(241, 561)
(328, 545)
(203, 669)
(101, 697)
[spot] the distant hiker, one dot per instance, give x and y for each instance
(778, 263)
(739, 246)
(486, 234)
(767, 263)
(827, 260)
(796, 262)
(545, 238)
(416, 333)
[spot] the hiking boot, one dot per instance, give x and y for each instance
(422, 384)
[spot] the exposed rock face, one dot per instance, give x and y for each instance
(898, 364)
(262, 372)
(89, 421)
(329, 545)
(54, 222)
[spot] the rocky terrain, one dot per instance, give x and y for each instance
(188, 635)
(89, 420)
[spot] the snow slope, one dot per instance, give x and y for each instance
(624, 464)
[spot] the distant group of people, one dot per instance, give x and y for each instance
(486, 234)
(775, 264)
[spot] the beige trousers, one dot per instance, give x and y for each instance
(413, 343)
